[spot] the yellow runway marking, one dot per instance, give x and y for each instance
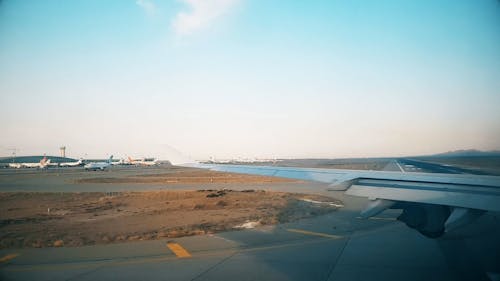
(331, 236)
(178, 250)
(148, 260)
(8, 257)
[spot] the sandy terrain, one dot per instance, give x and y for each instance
(75, 219)
(46, 219)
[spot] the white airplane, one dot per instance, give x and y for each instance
(15, 165)
(120, 162)
(71, 164)
(94, 166)
(142, 162)
(432, 203)
(43, 164)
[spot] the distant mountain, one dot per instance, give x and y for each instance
(467, 153)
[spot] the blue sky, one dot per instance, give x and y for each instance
(242, 78)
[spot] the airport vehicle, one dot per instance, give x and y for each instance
(143, 161)
(71, 164)
(43, 164)
(432, 203)
(94, 166)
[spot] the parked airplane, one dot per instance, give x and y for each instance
(120, 162)
(71, 164)
(44, 163)
(15, 165)
(143, 161)
(432, 203)
(94, 166)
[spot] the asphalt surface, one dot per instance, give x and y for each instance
(412, 165)
(337, 246)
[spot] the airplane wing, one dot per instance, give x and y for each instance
(431, 203)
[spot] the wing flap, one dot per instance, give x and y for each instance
(489, 201)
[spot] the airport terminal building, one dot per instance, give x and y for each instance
(34, 159)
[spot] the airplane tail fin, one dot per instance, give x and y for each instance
(44, 162)
(110, 159)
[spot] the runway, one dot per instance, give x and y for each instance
(412, 165)
(336, 246)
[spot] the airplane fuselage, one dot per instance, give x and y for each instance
(44, 163)
(95, 166)
(71, 164)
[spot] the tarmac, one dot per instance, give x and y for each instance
(336, 246)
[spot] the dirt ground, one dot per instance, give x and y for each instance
(30, 219)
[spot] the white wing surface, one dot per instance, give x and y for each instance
(432, 203)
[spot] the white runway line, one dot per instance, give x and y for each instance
(399, 166)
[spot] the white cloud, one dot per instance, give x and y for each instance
(147, 5)
(201, 15)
